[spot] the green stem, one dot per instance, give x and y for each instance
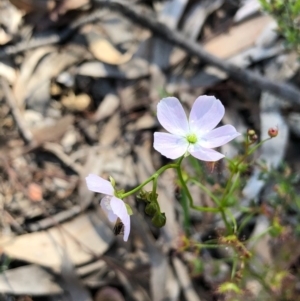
(260, 235)
(234, 223)
(188, 194)
(253, 149)
(234, 267)
(244, 222)
(154, 193)
(248, 152)
(207, 191)
(153, 177)
(207, 246)
(154, 188)
(217, 202)
(228, 184)
(260, 278)
(233, 185)
(224, 218)
(186, 213)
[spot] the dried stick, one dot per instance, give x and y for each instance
(54, 220)
(246, 77)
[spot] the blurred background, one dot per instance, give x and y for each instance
(79, 84)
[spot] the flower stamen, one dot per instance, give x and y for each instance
(192, 138)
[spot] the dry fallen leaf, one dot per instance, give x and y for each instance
(54, 132)
(26, 72)
(10, 20)
(104, 51)
(234, 41)
(247, 9)
(64, 6)
(34, 5)
(185, 280)
(32, 87)
(171, 12)
(71, 282)
(107, 107)
(82, 238)
(7, 70)
(76, 103)
(133, 69)
(55, 7)
(17, 282)
(4, 37)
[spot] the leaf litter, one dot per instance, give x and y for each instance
(79, 89)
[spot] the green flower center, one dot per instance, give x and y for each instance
(192, 138)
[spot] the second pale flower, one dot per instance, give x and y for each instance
(114, 207)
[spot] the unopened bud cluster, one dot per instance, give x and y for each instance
(152, 208)
(252, 136)
(159, 220)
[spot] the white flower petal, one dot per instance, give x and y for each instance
(105, 205)
(206, 113)
(98, 184)
(119, 208)
(205, 154)
(219, 136)
(172, 117)
(170, 146)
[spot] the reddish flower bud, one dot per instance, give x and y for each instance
(273, 132)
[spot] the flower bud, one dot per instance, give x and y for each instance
(152, 197)
(251, 132)
(253, 138)
(228, 287)
(143, 195)
(273, 132)
(151, 209)
(159, 220)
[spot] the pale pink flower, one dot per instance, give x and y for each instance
(114, 207)
(196, 135)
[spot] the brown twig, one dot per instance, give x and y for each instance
(246, 77)
(54, 220)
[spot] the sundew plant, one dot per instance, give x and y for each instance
(196, 137)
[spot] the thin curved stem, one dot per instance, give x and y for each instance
(214, 198)
(248, 152)
(188, 194)
(224, 218)
(154, 193)
(154, 176)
